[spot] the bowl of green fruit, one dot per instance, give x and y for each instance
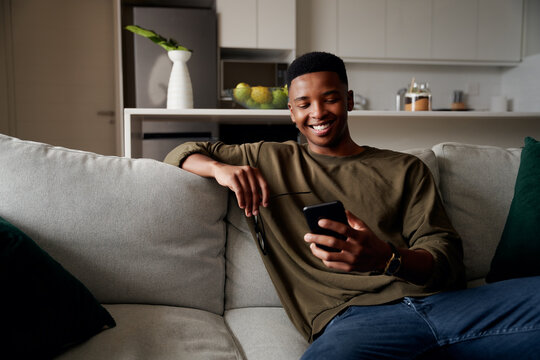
(259, 97)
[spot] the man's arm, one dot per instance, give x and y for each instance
(246, 182)
(433, 256)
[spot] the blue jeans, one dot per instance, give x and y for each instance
(496, 321)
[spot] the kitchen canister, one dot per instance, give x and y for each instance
(418, 97)
(499, 103)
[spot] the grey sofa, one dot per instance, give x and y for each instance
(171, 257)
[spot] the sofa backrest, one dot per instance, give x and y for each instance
(133, 231)
(477, 186)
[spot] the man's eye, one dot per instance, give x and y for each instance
(303, 105)
(331, 100)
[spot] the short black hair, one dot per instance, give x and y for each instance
(314, 62)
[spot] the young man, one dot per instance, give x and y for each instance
(380, 295)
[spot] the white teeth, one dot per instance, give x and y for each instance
(321, 127)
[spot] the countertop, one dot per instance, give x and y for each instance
(248, 113)
(397, 130)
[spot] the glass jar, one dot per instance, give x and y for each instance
(418, 98)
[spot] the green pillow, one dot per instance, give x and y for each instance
(44, 309)
(519, 249)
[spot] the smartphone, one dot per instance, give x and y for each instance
(333, 211)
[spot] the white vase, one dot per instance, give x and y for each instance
(179, 92)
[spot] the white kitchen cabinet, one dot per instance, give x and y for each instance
(237, 23)
(454, 30)
(276, 24)
(316, 26)
(482, 30)
(499, 30)
(426, 31)
(257, 24)
(408, 29)
(361, 28)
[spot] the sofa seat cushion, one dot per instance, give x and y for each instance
(265, 333)
(477, 185)
(131, 230)
(159, 333)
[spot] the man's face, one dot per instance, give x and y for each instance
(319, 103)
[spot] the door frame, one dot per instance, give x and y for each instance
(118, 79)
(8, 125)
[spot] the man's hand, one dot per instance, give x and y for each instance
(363, 251)
(247, 183)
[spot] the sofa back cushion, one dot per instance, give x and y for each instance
(247, 282)
(132, 230)
(477, 185)
(429, 158)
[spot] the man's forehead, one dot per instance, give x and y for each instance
(323, 81)
(320, 75)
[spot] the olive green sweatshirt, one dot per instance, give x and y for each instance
(393, 193)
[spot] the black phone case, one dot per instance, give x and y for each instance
(333, 211)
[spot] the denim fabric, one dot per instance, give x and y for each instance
(496, 321)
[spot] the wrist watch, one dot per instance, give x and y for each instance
(393, 265)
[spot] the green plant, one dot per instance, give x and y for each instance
(168, 45)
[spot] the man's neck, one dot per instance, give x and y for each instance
(347, 148)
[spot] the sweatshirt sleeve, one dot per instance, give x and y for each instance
(427, 226)
(245, 154)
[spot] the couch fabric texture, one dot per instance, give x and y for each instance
(171, 257)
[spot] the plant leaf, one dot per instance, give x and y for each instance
(169, 45)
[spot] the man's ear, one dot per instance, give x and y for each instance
(350, 100)
(291, 113)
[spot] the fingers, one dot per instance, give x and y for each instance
(324, 240)
(250, 188)
(333, 260)
(355, 222)
(335, 226)
(361, 251)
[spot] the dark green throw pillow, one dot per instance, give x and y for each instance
(43, 308)
(519, 249)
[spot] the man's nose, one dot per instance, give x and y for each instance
(317, 110)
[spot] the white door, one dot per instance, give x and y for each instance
(63, 73)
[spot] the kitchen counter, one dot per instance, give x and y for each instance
(396, 130)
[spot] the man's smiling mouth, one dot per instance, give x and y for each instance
(321, 127)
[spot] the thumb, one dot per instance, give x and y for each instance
(354, 222)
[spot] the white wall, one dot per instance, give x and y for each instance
(380, 83)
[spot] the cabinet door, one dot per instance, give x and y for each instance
(361, 28)
(317, 26)
(408, 29)
(499, 30)
(454, 30)
(237, 23)
(276, 24)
